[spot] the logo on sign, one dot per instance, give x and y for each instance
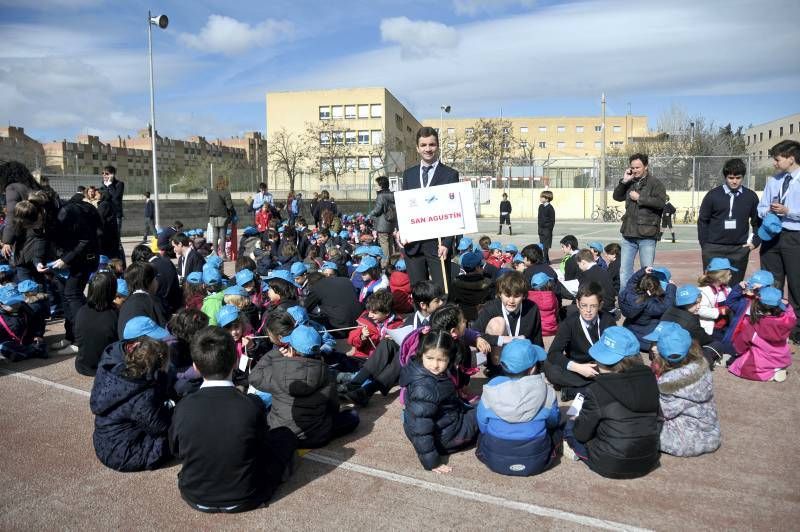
(430, 199)
(452, 195)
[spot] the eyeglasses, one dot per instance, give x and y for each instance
(106, 173)
(584, 306)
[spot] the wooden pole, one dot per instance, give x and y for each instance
(444, 270)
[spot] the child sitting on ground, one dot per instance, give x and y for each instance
(617, 429)
(691, 423)
(741, 298)
(18, 329)
(376, 320)
(518, 415)
(238, 297)
(713, 312)
(427, 297)
(96, 323)
(231, 461)
(436, 421)
(400, 285)
(304, 397)
(763, 340)
(374, 280)
(646, 297)
(39, 305)
(612, 252)
(214, 298)
(597, 252)
(129, 400)
(183, 326)
(543, 295)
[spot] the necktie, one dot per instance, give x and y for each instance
(593, 333)
(425, 171)
(786, 182)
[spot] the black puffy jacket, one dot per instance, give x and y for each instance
(619, 423)
(436, 421)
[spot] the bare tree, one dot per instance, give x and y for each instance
(327, 142)
(453, 150)
(492, 144)
(288, 153)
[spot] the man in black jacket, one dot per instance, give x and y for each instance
(116, 189)
(569, 365)
(149, 217)
(644, 198)
(423, 257)
(337, 302)
(385, 216)
(727, 225)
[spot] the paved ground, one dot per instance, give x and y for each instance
(50, 477)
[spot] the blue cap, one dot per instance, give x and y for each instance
(597, 246)
(298, 314)
(471, 260)
(282, 274)
(103, 259)
(235, 290)
(11, 296)
(199, 231)
(367, 263)
(211, 274)
(249, 231)
(663, 274)
(674, 343)
(520, 355)
(686, 295)
(761, 277)
(375, 251)
(344, 234)
(227, 314)
(5, 268)
(298, 269)
(662, 326)
(770, 226)
(328, 265)
(282, 228)
(143, 326)
(771, 297)
(244, 276)
(495, 245)
(720, 263)
(361, 250)
(304, 339)
(518, 258)
(190, 232)
(511, 248)
(122, 288)
(615, 344)
(464, 244)
(214, 260)
(194, 278)
(400, 265)
(27, 286)
(540, 279)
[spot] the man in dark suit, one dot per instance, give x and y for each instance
(423, 256)
(189, 260)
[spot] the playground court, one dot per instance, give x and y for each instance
(372, 479)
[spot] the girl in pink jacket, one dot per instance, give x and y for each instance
(762, 341)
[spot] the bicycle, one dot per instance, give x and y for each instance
(608, 214)
(689, 216)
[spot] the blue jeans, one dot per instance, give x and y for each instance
(646, 247)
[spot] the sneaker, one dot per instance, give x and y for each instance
(726, 360)
(569, 454)
(69, 350)
(61, 344)
(780, 375)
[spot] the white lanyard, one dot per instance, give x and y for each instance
(508, 323)
(585, 328)
(730, 204)
(417, 317)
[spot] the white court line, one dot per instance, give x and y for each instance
(315, 456)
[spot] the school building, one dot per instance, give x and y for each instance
(759, 139)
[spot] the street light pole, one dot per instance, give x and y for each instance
(161, 21)
(442, 110)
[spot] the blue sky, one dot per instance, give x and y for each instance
(79, 66)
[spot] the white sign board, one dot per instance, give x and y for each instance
(444, 210)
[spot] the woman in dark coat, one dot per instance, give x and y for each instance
(220, 209)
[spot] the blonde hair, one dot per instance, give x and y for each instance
(237, 301)
(715, 277)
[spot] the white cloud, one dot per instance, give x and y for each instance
(473, 7)
(578, 50)
(228, 36)
(418, 38)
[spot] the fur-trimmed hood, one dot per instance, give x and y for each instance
(684, 381)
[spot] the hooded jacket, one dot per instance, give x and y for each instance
(469, 291)
(549, 305)
(304, 395)
(515, 418)
(131, 417)
(435, 421)
(619, 423)
(763, 347)
(364, 347)
(691, 424)
(641, 317)
(211, 305)
(400, 285)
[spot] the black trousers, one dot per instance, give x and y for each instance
(736, 253)
(424, 265)
(546, 240)
(559, 376)
(383, 365)
(781, 256)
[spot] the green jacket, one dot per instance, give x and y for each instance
(211, 305)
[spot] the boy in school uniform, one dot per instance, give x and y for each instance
(505, 214)
(546, 222)
(231, 461)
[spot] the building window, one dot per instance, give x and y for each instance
(363, 163)
(324, 112)
(375, 110)
(350, 137)
(376, 162)
(791, 129)
(349, 111)
(337, 112)
(598, 128)
(561, 129)
(781, 131)
(578, 129)
(377, 136)
(523, 130)
(523, 144)
(761, 137)
(469, 131)
(363, 137)
(561, 145)
(506, 131)
(350, 164)
(324, 138)
(468, 162)
(451, 131)
(617, 129)
(579, 144)
(769, 133)
(451, 146)
(468, 145)
(363, 111)
(616, 143)
(542, 144)
(542, 129)
(598, 144)
(338, 137)
(506, 145)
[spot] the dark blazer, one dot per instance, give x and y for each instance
(570, 344)
(194, 263)
(443, 175)
(530, 328)
(139, 304)
(169, 290)
(116, 189)
(598, 275)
